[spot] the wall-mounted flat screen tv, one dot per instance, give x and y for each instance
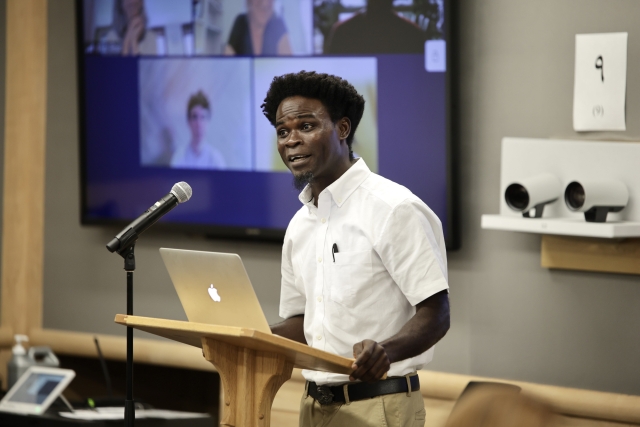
(170, 90)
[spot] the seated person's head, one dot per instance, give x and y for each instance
(198, 115)
(490, 406)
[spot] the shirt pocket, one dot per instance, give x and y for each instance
(351, 279)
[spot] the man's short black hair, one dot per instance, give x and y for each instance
(337, 95)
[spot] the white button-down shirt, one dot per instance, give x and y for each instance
(390, 256)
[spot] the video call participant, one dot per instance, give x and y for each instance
(258, 32)
(364, 268)
(198, 154)
(377, 30)
(128, 35)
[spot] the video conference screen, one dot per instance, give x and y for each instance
(171, 91)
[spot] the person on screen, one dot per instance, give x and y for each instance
(364, 267)
(128, 34)
(198, 154)
(258, 32)
(376, 30)
(132, 28)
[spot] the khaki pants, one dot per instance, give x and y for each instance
(391, 410)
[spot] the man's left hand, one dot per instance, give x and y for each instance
(372, 361)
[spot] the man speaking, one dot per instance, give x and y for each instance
(364, 269)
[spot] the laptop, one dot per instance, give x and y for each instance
(36, 390)
(214, 288)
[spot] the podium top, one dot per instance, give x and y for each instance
(191, 333)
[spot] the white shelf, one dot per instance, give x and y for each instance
(562, 226)
(569, 160)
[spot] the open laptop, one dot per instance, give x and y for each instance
(214, 288)
(36, 390)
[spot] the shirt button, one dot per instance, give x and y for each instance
(319, 259)
(339, 200)
(318, 337)
(319, 299)
(323, 220)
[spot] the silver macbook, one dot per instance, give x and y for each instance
(214, 288)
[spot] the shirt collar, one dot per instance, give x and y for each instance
(342, 188)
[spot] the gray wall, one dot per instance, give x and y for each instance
(511, 318)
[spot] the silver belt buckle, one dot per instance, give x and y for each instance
(325, 396)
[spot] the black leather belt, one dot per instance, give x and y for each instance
(326, 395)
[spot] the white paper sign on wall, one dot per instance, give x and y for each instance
(600, 82)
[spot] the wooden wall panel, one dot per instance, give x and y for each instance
(151, 351)
(24, 165)
(589, 254)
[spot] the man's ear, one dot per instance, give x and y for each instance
(344, 128)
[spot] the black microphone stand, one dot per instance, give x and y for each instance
(124, 244)
(129, 266)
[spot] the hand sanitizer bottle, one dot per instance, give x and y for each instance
(19, 362)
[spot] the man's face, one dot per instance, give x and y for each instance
(198, 122)
(309, 141)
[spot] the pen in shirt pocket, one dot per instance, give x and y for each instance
(334, 251)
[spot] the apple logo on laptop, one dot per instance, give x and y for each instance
(213, 293)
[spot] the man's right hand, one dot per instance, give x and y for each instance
(371, 363)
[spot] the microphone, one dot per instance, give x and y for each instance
(180, 193)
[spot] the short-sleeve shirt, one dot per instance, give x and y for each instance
(240, 37)
(389, 255)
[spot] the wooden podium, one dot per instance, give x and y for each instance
(252, 364)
